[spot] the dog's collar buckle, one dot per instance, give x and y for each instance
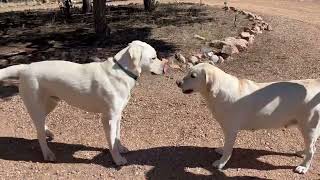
(129, 73)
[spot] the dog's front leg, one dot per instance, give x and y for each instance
(229, 140)
(122, 149)
(110, 125)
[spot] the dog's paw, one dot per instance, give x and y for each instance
(218, 164)
(49, 156)
(123, 149)
(120, 161)
(301, 169)
(219, 150)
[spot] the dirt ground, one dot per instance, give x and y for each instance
(170, 135)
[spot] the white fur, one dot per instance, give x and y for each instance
(95, 87)
(241, 104)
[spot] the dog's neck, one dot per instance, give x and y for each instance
(125, 69)
(124, 62)
(224, 89)
(120, 74)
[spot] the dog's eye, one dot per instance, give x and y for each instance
(154, 58)
(193, 75)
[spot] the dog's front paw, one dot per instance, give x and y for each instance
(301, 169)
(123, 149)
(120, 161)
(219, 150)
(49, 156)
(218, 164)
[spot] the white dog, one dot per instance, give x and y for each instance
(241, 104)
(96, 87)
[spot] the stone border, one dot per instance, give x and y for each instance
(225, 48)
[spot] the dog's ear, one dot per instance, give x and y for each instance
(121, 54)
(135, 53)
(211, 85)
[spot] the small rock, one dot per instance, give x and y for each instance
(233, 9)
(210, 54)
(226, 8)
(217, 44)
(229, 50)
(251, 39)
(189, 65)
(245, 35)
(246, 29)
(241, 44)
(251, 15)
(179, 57)
(259, 18)
(214, 58)
(251, 18)
(193, 60)
(4, 62)
(199, 55)
(221, 60)
(257, 29)
(263, 26)
(18, 59)
(244, 13)
(269, 27)
(55, 44)
(174, 66)
(199, 37)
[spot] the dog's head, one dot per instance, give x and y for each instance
(199, 78)
(140, 56)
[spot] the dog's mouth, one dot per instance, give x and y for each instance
(164, 70)
(188, 91)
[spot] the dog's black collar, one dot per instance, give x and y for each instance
(129, 73)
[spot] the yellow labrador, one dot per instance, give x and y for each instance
(241, 104)
(102, 87)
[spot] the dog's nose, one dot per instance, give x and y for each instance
(179, 83)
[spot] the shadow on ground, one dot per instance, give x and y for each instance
(8, 88)
(168, 162)
(44, 34)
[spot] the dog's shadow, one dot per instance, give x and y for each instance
(168, 162)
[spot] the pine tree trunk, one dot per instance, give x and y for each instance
(66, 9)
(150, 5)
(100, 22)
(86, 6)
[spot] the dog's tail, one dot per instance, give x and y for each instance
(12, 71)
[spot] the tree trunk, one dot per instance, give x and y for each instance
(150, 5)
(100, 22)
(66, 9)
(86, 6)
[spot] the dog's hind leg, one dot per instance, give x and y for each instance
(50, 104)
(310, 136)
(31, 97)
